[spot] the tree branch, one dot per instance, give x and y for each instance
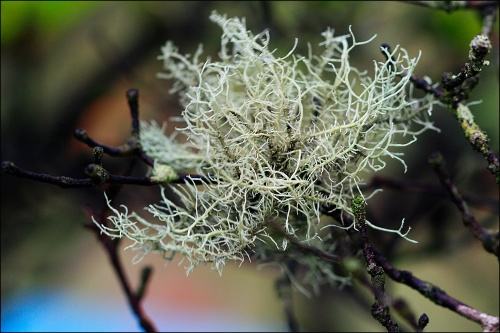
(455, 88)
(111, 246)
(133, 145)
(134, 299)
(284, 290)
(380, 309)
(490, 242)
(488, 13)
(488, 322)
(99, 177)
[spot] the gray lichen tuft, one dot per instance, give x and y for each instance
(279, 136)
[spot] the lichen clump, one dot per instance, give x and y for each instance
(276, 137)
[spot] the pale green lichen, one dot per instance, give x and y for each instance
(279, 136)
(163, 173)
(166, 150)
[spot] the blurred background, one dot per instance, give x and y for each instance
(68, 64)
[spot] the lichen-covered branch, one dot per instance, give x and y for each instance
(380, 309)
(457, 86)
(489, 240)
(478, 139)
(437, 295)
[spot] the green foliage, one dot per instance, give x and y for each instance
(42, 16)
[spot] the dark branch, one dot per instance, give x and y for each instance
(435, 294)
(145, 277)
(423, 320)
(426, 86)
(134, 299)
(99, 177)
(132, 147)
(380, 309)
(111, 246)
(457, 87)
(120, 151)
(488, 322)
(490, 242)
(62, 181)
(284, 290)
(133, 104)
(126, 150)
(479, 48)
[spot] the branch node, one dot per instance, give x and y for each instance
(97, 152)
(97, 173)
(423, 320)
(489, 241)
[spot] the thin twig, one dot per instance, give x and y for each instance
(455, 88)
(98, 175)
(132, 147)
(488, 322)
(70, 182)
(490, 242)
(284, 290)
(134, 299)
(380, 309)
(111, 246)
(426, 86)
(488, 13)
(144, 281)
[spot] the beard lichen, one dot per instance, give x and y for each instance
(276, 140)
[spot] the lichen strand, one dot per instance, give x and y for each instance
(279, 136)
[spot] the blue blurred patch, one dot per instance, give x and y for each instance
(56, 311)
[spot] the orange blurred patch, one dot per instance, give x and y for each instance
(106, 120)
